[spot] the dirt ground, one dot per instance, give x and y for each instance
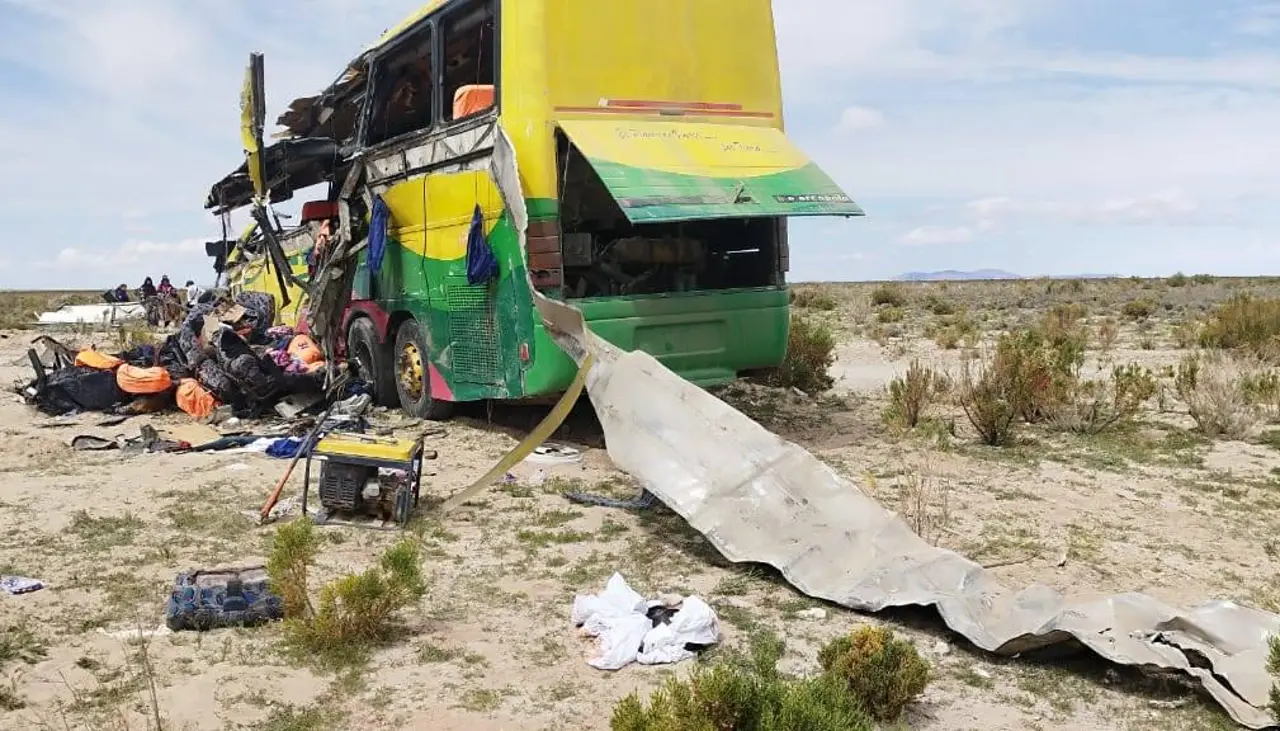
(1151, 507)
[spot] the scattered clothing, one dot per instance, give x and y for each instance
(284, 448)
(482, 266)
(632, 629)
(14, 585)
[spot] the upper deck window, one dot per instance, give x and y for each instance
(404, 93)
(469, 39)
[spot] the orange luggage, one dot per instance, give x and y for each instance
(195, 399)
(303, 348)
(96, 360)
(143, 381)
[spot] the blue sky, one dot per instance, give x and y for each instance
(1038, 136)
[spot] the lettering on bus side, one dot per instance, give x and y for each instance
(813, 198)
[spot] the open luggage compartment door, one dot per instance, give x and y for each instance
(682, 171)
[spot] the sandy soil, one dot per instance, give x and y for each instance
(1153, 509)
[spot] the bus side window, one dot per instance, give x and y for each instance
(469, 36)
(403, 96)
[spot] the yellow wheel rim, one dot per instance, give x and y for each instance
(411, 370)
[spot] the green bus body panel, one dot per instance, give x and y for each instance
(706, 337)
(475, 333)
(653, 196)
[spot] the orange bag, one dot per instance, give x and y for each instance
(98, 361)
(141, 381)
(471, 99)
(195, 399)
(303, 348)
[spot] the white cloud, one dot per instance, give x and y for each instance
(1156, 209)
(937, 235)
(155, 253)
(1261, 20)
(856, 119)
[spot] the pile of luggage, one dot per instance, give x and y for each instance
(224, 353)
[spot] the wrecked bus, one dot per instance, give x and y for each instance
(656, 175)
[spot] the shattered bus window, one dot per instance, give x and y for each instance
(470, 46)
(403, 97)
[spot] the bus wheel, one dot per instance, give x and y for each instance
(413, 384)
(373, 361)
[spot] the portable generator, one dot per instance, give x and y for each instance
(368, 476)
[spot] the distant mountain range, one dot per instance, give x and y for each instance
(952, 274)
(983, 274)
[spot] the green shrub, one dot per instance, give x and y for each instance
(1108, 333)
(744, 694)
(1062, 327)
(987, 400)
(1098, 405)
(888, 294)
(354, 613)
(813, 298)
(884, 672)
(890, 315)
(939, 305)
(1245, 323)
(1138, 309)
(912, 393)
(1216, 396)
(1202, 278)
(810, 354)
(1178, 280)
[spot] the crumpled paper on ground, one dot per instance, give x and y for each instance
(617, 616)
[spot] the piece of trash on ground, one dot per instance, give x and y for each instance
(554, 454)
(15, 585)
(633, 629)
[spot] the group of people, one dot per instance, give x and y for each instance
(149, 290)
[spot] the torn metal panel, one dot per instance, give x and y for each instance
(759, 498)
(103, 314)
(290, 165)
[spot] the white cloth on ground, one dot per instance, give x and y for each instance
(618, 617)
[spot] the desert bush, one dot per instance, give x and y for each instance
(924, 502)
(888, 294)
(988, 400)
(888, 315)
(1061, 327)
(912, 393)
(939, 305)
(1107, 334)
(813, 298)
(1214, 391)
(884, 672)
(1262, 388)
(1041, 373)
(1139, 309)
(1245, 323)
(353, 613)
(745, 694)
(1178, 280)
(947, 338)
(810, 354)
(1202, 279)
(1186, 334)
(1097, 405)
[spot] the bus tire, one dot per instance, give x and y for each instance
(413, 382)
(373, 361)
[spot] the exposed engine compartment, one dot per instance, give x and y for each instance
(605, 255)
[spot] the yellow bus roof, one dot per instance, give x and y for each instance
(394, 31)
